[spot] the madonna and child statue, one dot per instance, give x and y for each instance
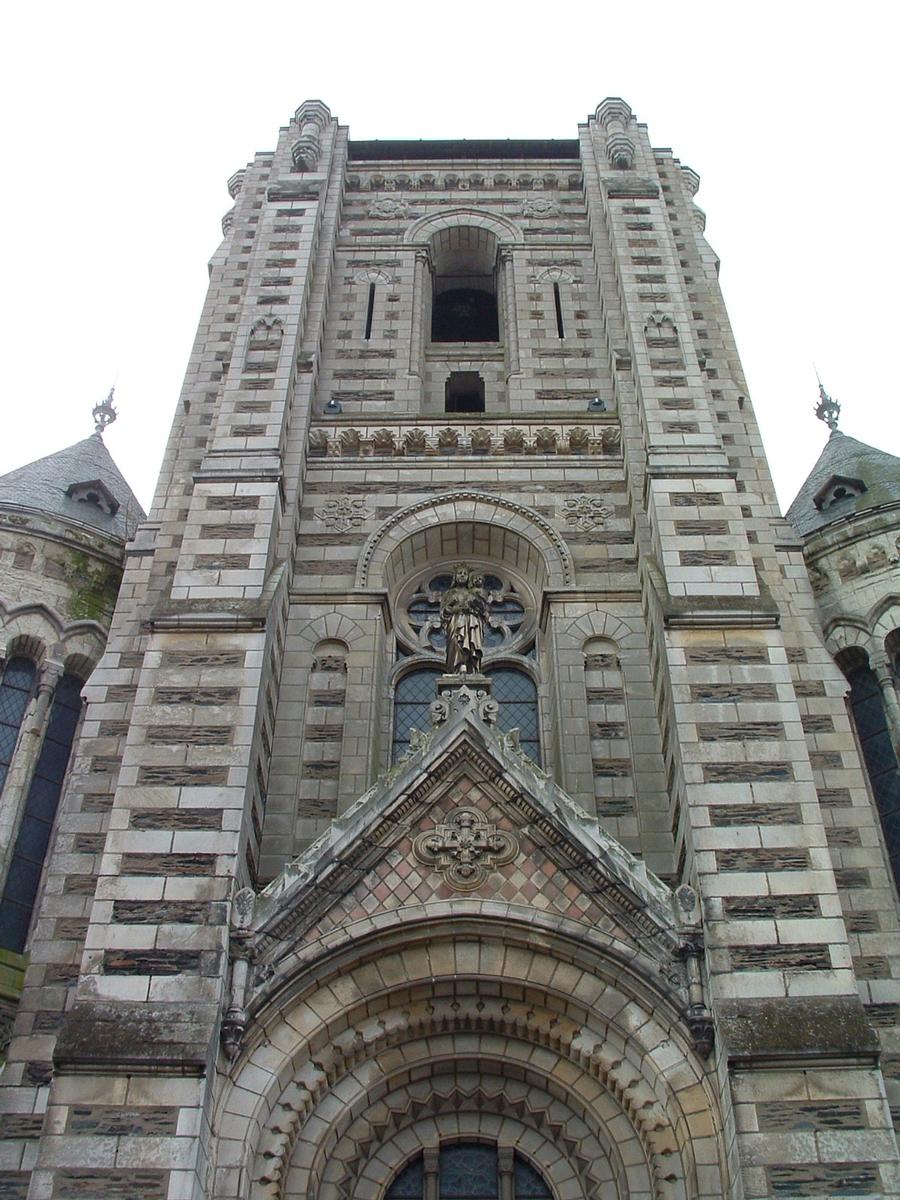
(464, 611)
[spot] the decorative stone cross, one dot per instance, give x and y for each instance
(465, 848)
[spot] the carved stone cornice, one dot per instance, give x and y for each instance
(425, 439)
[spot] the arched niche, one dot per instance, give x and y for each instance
(465, 523)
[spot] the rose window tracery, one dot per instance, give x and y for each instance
(507, 617)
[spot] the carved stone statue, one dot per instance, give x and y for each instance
(463, 618)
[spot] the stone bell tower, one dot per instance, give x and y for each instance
(614, 919)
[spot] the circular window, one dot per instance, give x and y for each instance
(510, 612)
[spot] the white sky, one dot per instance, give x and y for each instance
(122, 122)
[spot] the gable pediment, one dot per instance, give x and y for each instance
(465, 816)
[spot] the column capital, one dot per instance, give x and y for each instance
(49, 676)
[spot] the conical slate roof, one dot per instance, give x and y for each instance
(43, 485)
(845, 458)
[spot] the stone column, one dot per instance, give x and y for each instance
(507, 265)
(416, 339)
(506, 1162)
(430, 1163)
(884, 675)
(25, 755)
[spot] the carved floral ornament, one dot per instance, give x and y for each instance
(344, 513)
(389, 210)
(540, 206)
(465, 848)
(586, 512)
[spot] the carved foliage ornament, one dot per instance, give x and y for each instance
(465, 848)
(387, 210)
(540, 207)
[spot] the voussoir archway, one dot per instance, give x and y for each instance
(476, 1031)
(516, 534)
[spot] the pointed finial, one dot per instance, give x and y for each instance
(827, 410)
(104, 413)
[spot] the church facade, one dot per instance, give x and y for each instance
(466, 805)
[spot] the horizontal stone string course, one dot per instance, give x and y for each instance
(156, 962)
(176, 818)
(168, 864)
(755, 814)
(732, 693)
(747, 772)
(741, 731)
(99, 1184)
(168, 912)
(109, 1120)
(780, 958)
(811, 1114)
(764, 908)
(203, 696)
(821, 1179)
(14, 1184)
(176, 776)
(762, 860)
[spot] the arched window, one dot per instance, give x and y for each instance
(464, 297)
(15, 692)
(867, 707)
(509, 633)
(323, 732)
(515, 690)
(471, 1171)
(412, 697)
(611, 758)
(33, 837)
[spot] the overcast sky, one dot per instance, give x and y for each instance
(122, 122)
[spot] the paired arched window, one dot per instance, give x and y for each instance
(471, 1171)
(509, 632)
(15, 692)
(513, 688)
(30, 849)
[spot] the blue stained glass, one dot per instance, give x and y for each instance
(529, 1184)
(14, 922)
(26, 864)
(15, 692)
(410, 1183)
(517, 696)
(878, 754)
(412, 700)
(468, 1171)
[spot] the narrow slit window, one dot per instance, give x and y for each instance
(558, 304)
(370, 311)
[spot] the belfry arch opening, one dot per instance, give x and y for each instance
(464, 285)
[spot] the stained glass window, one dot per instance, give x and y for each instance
(469, 1171)
(410, 1183)
(515, 691)
(506, 613)
(412, 700)
(517, 695)
(878, 753)
(15, 692)
(41, 803)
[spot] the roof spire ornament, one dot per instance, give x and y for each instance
(104, 413)
(827, 410)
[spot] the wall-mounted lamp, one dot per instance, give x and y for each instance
(333, 407)
(595, 404)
